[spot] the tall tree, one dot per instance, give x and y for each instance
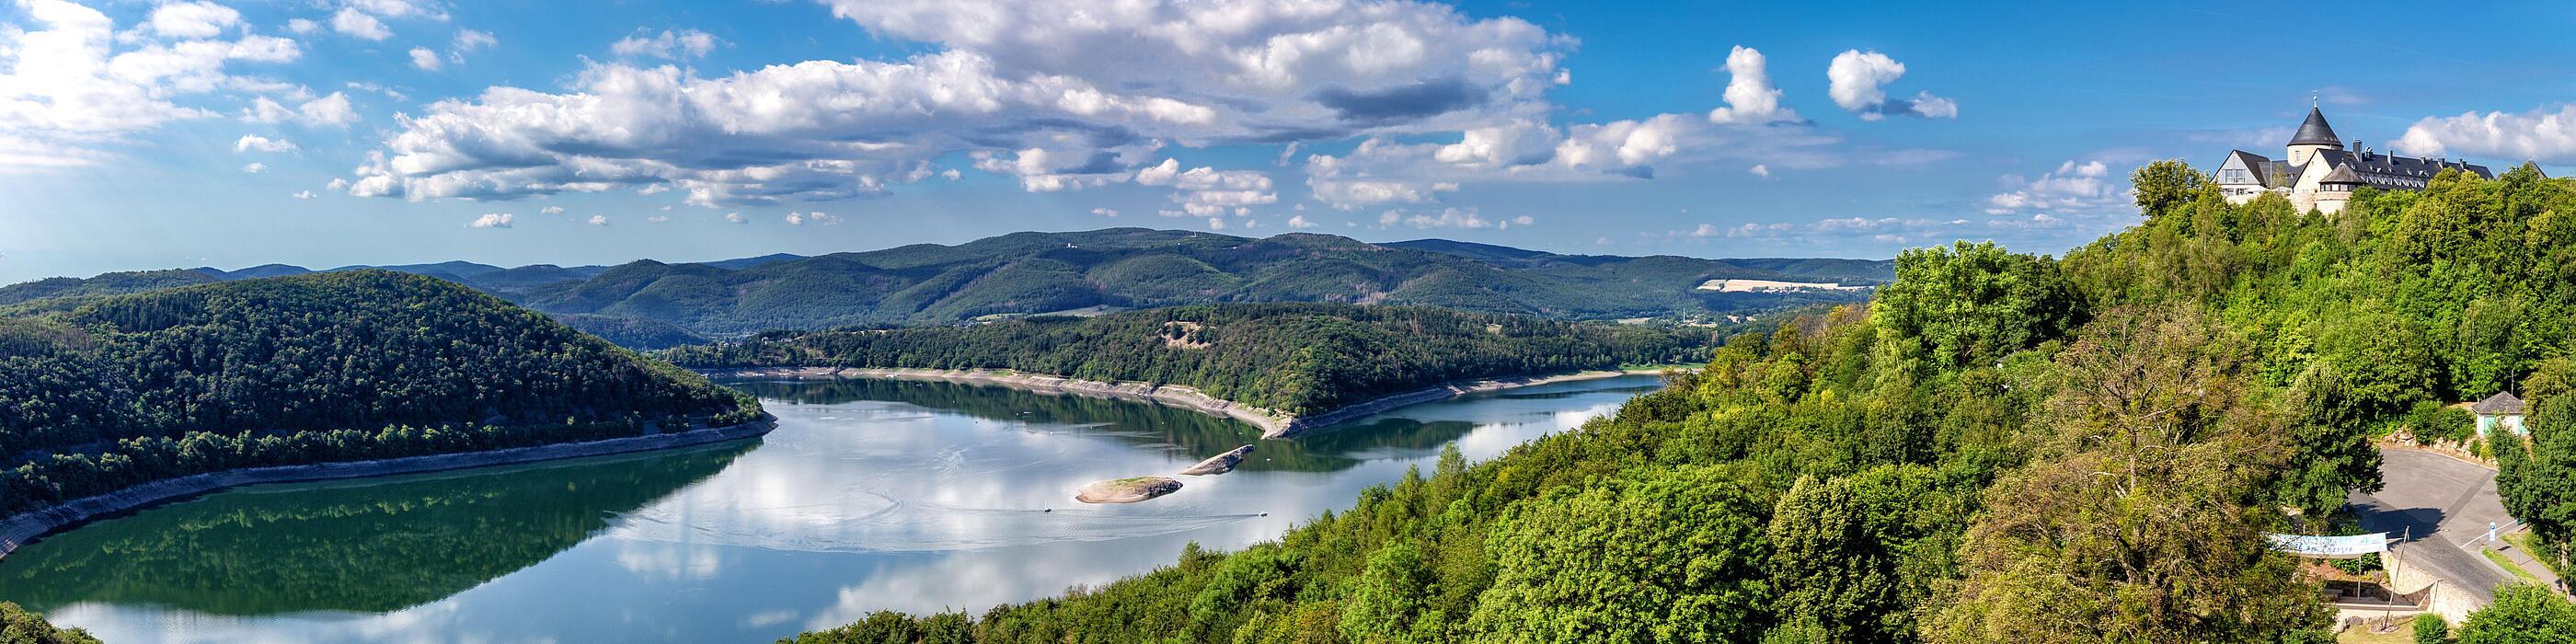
(1970, 304)
(2164, 184)
(1852, 555)
(1673, 556)
(2141, 515)
(2537, 476)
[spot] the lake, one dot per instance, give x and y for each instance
(871, 495)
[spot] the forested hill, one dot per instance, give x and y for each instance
(108, 284)
(1296, 358)
(1027, 273)
(652, 304)
(107, 392)
(1999, 447)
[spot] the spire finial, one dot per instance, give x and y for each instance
(2312, 99)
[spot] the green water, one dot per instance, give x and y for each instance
(871, 495)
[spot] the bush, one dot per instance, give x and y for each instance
(2431, 423)
(2430, 629)
(2521, 614)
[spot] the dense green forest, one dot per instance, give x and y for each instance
(633, 333)
(1028, 273)
(108, 284)
(1297, 358)
(1997, 448)
(108, 392)
(648, 305)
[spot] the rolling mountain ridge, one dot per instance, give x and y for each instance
(653, 304)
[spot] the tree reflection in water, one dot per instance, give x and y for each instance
(371, 545)
(1185, 433)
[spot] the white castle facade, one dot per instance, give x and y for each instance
(2319, 172)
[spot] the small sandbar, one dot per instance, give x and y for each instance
(1127, 490)
(1221, 463)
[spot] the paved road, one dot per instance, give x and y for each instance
(2440, 503)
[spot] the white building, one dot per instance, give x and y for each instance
(2500, 410)
(2319, 172)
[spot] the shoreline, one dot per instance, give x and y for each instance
(30, 526)
(1273, 424)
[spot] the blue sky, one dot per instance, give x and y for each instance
(329, 132)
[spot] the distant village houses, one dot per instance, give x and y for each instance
(2319, 172)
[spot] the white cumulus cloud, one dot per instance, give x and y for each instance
(2545, 134)
(423, 58)
(193, 19)
(492, 220)
(1750, 96)
(1001, 79)
(70, 83)
(251, 142)
(1858, 80)
(355, 23)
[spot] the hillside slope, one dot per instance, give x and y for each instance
(126, 389)
(1998, 448)
(1295, 358)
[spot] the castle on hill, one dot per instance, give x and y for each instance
(2319, 172)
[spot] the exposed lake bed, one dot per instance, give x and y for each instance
(871, 495)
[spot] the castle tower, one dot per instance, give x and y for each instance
(2314, 135)
(2335, 190)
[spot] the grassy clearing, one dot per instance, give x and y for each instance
(2405, 634)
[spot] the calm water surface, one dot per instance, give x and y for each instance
(871, 495)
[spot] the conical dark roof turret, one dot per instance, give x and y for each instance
(2315, 131)
(2342, 174)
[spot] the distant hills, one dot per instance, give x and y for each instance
(651, 304)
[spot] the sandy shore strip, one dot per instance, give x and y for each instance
(1273, 423)
(18, 530)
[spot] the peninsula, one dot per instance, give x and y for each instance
(1286, 368)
